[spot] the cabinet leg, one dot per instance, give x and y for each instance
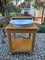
(29, 35)
(14, 35)
(33, 40)
(9, 40)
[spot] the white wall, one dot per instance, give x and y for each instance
(38, 13)
(42, 0)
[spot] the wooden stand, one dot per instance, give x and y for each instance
(21, 44)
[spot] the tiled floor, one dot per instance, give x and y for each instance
(38, 54)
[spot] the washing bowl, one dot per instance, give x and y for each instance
(21, 23)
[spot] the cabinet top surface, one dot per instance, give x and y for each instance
(9, 26)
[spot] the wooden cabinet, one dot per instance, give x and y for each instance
(21, 44)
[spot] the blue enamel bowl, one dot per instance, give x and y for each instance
(21, 23)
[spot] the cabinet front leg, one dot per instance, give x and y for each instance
(33, 40)
(9, 40)
(14, 35)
